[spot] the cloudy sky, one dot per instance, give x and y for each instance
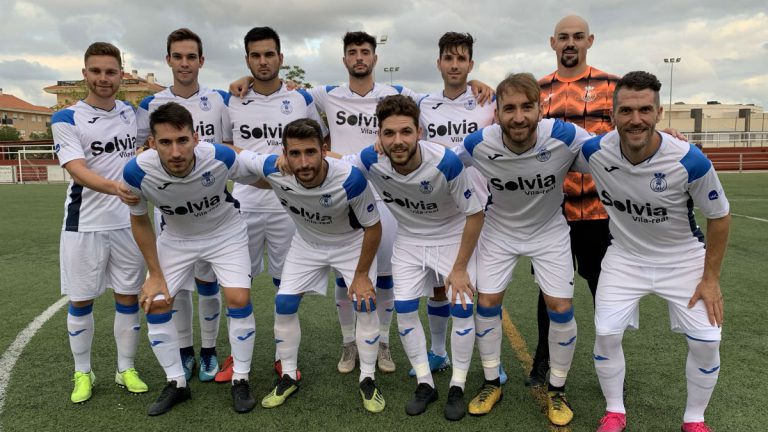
(723, 44)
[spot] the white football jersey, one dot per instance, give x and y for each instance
(208, 108)
(650, 205)
(526, 189)
(106, 140)
(448, 121)
(256, 123)
(332, 213)
(431, 203)
(351, 117)
(195, 207)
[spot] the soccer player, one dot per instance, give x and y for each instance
(649, 183)
(93, 140)
(209, 112)
(581, 94)
(439, 221)
(337, 227)
(447, 117)
(525, 160)
(188, 183)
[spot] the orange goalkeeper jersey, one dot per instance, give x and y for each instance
(585, 100)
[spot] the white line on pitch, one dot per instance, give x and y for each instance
(750, 217)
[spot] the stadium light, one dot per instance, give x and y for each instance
(671, 61)
(391, 70)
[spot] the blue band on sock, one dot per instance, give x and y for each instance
(561, 318)
(161, 318)
(459, 312)
(385, 282)
(406, 306)
(700, 340)
(442, 311)
(207, 288)
(340, 283)
(242, 312)
(287, 304)
(368, 306)
(80, 311)
(489, 312)
(127, 309)
(276, 282)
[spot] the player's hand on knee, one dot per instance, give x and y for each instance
(362, 293)
(154, 286)
(709, 292)
(460, 286)
(125, 195)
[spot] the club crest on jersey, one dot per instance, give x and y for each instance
(286, 107)
(470, 104)
(589, 94)
(425, 187)
(543, 155)
(208, 179)
(659, 184)
(325, 200)
(124, 117)
(205, 105)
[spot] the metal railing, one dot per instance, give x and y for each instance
(729, 139)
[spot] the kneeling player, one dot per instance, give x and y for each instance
(188, 183)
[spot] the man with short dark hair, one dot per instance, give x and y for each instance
(649, 183)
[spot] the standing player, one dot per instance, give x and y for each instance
(209, 112)
(188, 183)
(337, 227)
(581, 94)
(93, 140)
(649, 183)
(525, 160)
(439, 221)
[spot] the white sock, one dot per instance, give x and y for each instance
(163, 337)
(610, 367)
(126, 330)
(346, 312)
(80, 326)
(287, 332)
(242, 328)
(385, 305)
(209, 312)
(701, 371)
(413, 339)
(182, 317)
(462, 343)
(367, 337)
(488, 337)
(562, 341)
(438, 312)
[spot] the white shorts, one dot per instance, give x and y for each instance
(388, 234)
(270, 232)
(416, 269)
(550, 256)
(307, 265)
(227, 255)
(92, 261)
(203, 270)
(623, 283)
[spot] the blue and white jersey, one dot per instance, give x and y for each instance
(208, 108)
(195, 207)
(431, 203)
(526, 189)
(256, 123)
(351, 117)
(650, 204)
(448, 121)
(331, 213)
(106, 140)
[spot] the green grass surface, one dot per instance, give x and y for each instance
(38, 393)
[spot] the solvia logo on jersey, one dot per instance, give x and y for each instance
(125, 147)
(530, 186)
(368, 124)
(416, 207)
(643, 213)
(309, 216)
(195, 208)
(455, 131)
(205, 130)
(273, 135)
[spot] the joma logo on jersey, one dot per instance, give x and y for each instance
(405, 202)
(115, 145)
(630, 207)
(205, 129)
(360, 119)
(455, 130)
(262, 131)
(308, 215)
(196, 207)
(530, 186)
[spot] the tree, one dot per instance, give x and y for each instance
(296, 74)
(8, 133)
